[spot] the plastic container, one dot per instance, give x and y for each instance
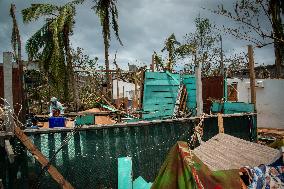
(85, 120)
(56, 122)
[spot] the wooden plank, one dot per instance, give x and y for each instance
(152, 88)
(161, 101)
(160, 75)
(124, 173)
(140, 183)
(199, 99)
(161, 82)
(160, 95)
(220, 123)
(9, 151)
(41, 159)
(188, 76)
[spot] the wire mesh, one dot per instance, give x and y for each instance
(89, 159)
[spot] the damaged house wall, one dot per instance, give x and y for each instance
(269, 100)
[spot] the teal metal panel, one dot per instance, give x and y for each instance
(225, 89)
(160, 94)
(190, 83)
(161, 76)
(160, 82)
(140, 183)
(232, 107)
(85, 120)
(216, 107)
(125, 173)
(166, 88)
(237, 107)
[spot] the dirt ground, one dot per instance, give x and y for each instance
(267, 136)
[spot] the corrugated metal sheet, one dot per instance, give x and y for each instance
(1, 84)
(17, 93)
(224, 152)
(212, 88)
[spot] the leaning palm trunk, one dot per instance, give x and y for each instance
(70, 71)
(108, 74)
(17, 48)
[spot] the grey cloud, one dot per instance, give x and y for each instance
(144, 25)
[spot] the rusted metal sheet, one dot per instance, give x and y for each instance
(1, 84)
(212, 89)
(233, 92)
(17, 89)
(17, 92)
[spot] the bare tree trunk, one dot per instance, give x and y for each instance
(16, 41)
(278, 59)
(277, 28)
(108, 75)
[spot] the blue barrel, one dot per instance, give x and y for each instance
(56, 122)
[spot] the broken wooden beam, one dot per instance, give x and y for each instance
(1, 184)
(220, 123)
(41, 159)
(9, 151)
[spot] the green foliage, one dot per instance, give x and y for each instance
(50, 44)
(108, 14)
(202, 46)
(87, 78)
(259, 22)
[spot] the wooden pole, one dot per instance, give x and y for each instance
(117, 92)
(41, 159)
(199, 100)
(220, 123)
(152, 66)
(252, 76)
(123, 98)
(135, 94)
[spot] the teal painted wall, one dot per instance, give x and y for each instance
(160, 94)
(232, 107)
(190, 83)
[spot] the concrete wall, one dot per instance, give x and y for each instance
(129, 89)
(269, 100)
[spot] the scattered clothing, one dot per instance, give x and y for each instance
(263, 177)
(55, 106)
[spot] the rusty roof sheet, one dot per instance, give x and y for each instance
(224, 152)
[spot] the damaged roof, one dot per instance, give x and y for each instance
(224, 152)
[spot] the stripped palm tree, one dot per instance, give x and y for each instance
(17, 48)
(50, 45)
(108, 15)
(170, 46)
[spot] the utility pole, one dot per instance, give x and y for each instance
(252, 76)
(221, 55)
(199, 100)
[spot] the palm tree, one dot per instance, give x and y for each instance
(17, 48)
(170, 46)
(50, 45)
(108, 15)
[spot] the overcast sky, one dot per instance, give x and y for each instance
(144, 26)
